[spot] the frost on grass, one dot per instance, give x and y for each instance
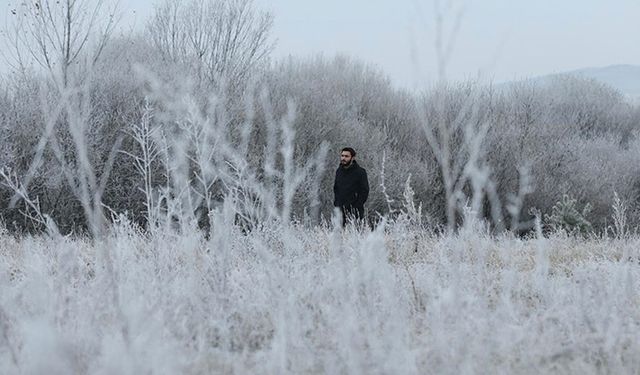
(235, 272)
(395, 300)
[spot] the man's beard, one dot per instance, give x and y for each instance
(345, 164)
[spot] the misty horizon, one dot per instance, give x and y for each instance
(496, 40)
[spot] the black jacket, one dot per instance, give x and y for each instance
(351, 187)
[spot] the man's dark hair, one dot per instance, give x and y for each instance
(349, 150)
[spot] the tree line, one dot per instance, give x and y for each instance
(193, 113)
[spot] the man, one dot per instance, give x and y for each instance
(351, 187)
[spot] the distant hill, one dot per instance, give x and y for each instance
(625, 78)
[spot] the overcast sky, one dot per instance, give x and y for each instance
(503, 39)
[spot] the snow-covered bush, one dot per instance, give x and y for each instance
(566, 215)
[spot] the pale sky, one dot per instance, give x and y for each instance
(503, 39)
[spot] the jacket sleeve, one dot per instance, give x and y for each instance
(363, 192)
(335, 191)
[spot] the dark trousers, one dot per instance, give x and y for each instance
(351, 214)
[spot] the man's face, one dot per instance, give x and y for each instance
(345, 158)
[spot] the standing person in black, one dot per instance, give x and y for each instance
(351, 187)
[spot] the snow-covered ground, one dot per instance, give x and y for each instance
(397, 300)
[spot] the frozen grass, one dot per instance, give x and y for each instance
(295, 300)
(285, 298)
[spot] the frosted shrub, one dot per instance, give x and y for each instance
(566, 215)
(619, 208)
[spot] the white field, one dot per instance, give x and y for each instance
(307, 301)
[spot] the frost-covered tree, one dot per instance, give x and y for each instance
(222, 42)
(65, 39)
